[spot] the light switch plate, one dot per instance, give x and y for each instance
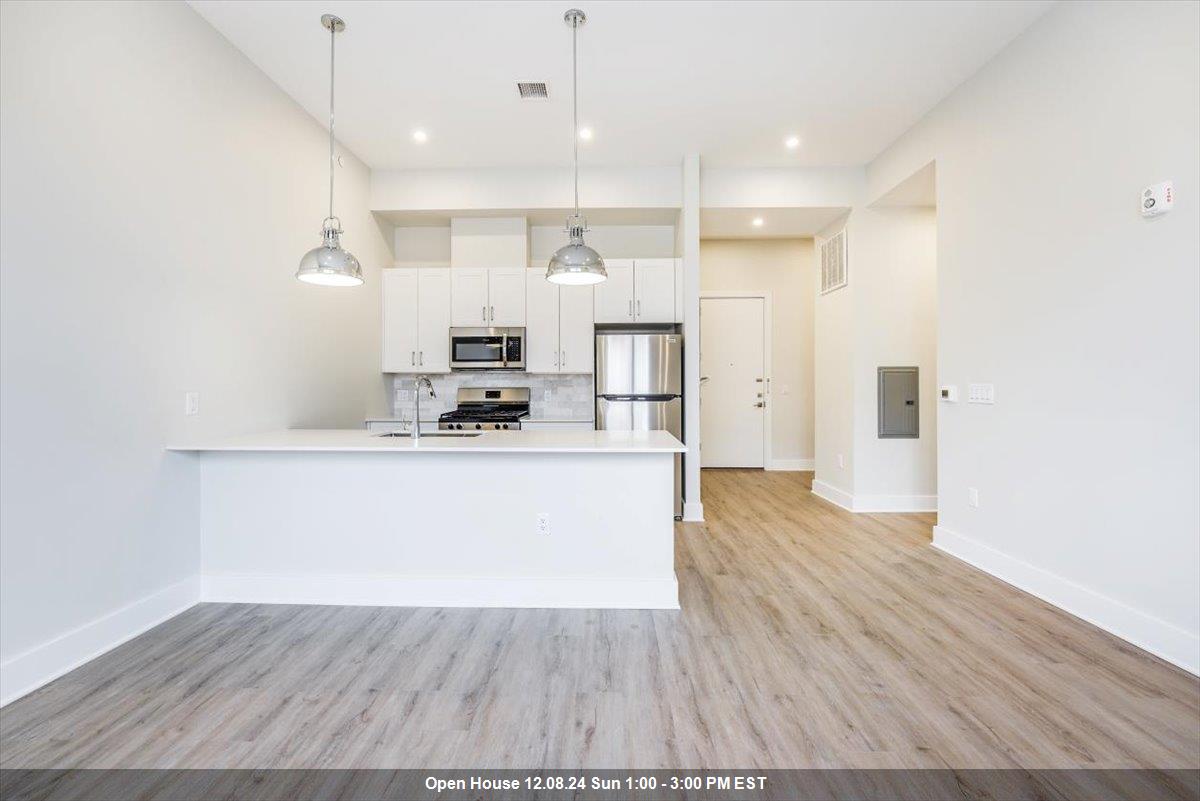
(949, 393)
(981, 393)
(191, 403)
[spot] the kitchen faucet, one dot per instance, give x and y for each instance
(416, 423)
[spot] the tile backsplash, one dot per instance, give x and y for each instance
(571, 397)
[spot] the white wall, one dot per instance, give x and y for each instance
(158, 192)
(1084, 315)
(833, 375)
(613, 241)
(895, 297)
(785, 267)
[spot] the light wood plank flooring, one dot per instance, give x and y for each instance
(809, 637)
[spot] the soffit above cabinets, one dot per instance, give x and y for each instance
(440, 218)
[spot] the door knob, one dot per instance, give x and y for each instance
(759, 405)
(704, 378)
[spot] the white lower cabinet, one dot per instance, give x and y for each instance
(558, 326)
(558, 425)
(416, 320)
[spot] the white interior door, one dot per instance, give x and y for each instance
(577, 334)
(469, 297)
(614, 296)
(732, 374)
(433, 346)
(541, 323)
(654, 291)
(400, 320)
(506, 296)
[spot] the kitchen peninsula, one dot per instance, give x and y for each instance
(578, 519)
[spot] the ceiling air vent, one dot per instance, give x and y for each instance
(532, 90)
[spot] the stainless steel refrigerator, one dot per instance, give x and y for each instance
(639, 387)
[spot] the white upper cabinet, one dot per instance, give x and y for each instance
(506, 296)
(558, 328)
(416, 320)
(400, 320)
(654, 290)
(576, 332)
(469, 297)
(433, 340)
(541, 323)
(614, 296)
(637, 291)
(482, 298)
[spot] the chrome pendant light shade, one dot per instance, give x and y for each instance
(330, 264)
(575, 263)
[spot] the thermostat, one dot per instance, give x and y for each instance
(1158, 199)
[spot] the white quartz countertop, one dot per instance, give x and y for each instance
(525, 441)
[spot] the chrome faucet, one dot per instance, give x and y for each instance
(416, 423)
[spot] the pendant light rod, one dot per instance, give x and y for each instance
(575, 18)
(334, 25)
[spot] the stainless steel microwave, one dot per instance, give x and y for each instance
(487, 348)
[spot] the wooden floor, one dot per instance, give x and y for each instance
(809, 637)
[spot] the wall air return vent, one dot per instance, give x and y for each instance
(833, 262)
(532, 90)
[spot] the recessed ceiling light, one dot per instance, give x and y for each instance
(585, 134)
(420, 137)
(757, 222)
(792, 142)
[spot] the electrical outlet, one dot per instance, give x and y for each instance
(841, 461)
(543, 524)
(191, 403)
(973, 497)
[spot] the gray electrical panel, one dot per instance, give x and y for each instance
(899, 408)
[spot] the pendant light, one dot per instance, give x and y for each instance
(329, 264)
(575, 262)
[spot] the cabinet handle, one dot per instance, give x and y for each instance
(483, 313)
(414, 358)
(492, 314)
(631, 309)
(556, 355)
(639, 308)
(421, 358)
(563, 362)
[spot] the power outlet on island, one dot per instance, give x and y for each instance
(543, 525)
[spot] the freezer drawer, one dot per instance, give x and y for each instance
(614, 414)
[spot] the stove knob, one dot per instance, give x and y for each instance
(458, 426)
(505, 426)
(497, 426)
(478, 426)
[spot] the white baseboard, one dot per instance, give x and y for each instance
(44, 663)
(895, 503)
(385, 590)
(693, 512)
(1163, 639)
(791, 464)
(834, 495)
(874, 503)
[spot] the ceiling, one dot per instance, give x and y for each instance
(777, 223)
(658, 80)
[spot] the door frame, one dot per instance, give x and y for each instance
(768, 303)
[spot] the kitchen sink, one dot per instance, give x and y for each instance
(407, 435)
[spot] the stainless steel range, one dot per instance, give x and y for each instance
(482, 408)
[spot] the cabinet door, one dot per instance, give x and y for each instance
(679, 290)
(576, 334)
(614, 297)
(541, 323)
(469, 297)
(433, 336)
(506, 296)
(654, 290)
(399, 289)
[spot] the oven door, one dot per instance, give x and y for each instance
(478, 349)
